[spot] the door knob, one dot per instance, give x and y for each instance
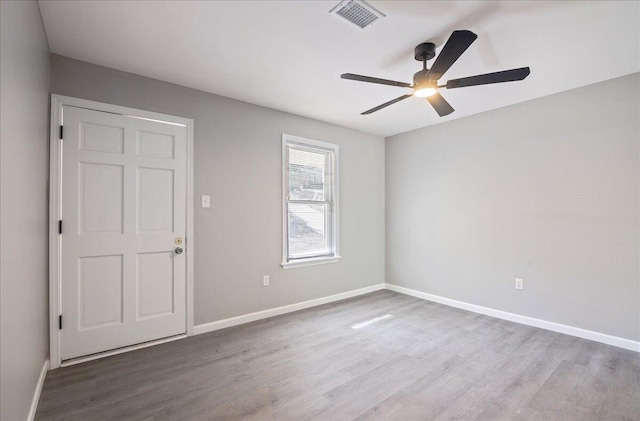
(179, 250)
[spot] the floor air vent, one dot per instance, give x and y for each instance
(356, 12)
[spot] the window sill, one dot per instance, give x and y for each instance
(309, 262)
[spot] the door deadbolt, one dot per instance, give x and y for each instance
(178, 241)
(179, 250)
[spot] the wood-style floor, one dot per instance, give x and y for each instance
(427, 362)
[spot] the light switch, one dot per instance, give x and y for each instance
(206, 201)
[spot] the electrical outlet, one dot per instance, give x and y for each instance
(265, 281)
(519, 283)
(206, 201)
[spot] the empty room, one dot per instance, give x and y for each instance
(319, 210)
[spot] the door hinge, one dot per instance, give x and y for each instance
(61, 132)
(60, 226)
(60, 322)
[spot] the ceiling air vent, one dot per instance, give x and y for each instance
(356, 12)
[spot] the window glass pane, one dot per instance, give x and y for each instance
(306, 174)
(307, 230)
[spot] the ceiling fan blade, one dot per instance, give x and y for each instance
(441, 106)
(496, 77)
(386, 104)
(361, 78)
(457, 44)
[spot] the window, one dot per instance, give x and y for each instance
(310, 202)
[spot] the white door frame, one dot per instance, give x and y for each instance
(55, 211)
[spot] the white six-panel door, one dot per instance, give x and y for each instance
(124, 221)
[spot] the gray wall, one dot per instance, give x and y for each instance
(546, 190)
(24, 117)
(238, 162)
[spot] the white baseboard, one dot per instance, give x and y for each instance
(251, 317)
(517, 318)
(525, 320)
(36, 393)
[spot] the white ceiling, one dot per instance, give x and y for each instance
(288, 55)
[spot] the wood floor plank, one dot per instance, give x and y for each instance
(358, 395)
(426, 362)
(623, 402)
(562, 382)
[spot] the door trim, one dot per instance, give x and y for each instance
(55, 208)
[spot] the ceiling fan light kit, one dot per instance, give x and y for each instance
(425, 81)
(425, 91)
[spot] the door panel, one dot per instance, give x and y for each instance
(100, 291)
(96, 137)
(123, 206)
(155, 284)
(156, 145)
(100, 201)
(155, 199)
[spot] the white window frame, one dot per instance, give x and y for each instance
(333, 234)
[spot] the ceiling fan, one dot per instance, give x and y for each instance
(425, 82)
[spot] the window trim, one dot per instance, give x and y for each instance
(315, 260)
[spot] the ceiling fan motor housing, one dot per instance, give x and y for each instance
(420, 76)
